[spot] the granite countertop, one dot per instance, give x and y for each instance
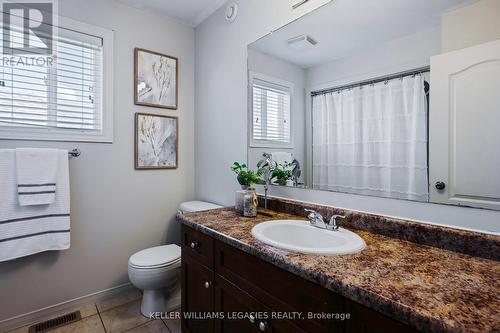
(431, 289)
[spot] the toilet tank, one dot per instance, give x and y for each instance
(196, 206)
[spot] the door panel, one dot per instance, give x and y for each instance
(236, 305)
(197, 296)
(364, 320)
(464, 133)
(246, 271)
(278, 325)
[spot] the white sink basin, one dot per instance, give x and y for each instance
(299, 236)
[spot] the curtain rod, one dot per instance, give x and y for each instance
(374, 80)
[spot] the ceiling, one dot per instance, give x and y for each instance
(192, 12)
(344, 26)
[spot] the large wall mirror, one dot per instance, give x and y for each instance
(373, 98)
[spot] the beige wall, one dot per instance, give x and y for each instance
(115, 209)
(471, 25)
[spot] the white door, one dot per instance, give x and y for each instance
(464, 127)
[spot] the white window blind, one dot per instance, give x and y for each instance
(271, 113)
(62, 95)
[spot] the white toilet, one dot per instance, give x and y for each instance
(157, 270)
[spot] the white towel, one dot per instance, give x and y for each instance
(26, 230)
(36, 175)
(282, 158)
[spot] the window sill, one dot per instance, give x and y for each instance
(44, 135)
(271, 145)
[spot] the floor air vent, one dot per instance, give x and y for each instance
(51, 324)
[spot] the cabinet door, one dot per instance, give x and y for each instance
(278, 289)
(464, 135)
(364, 320)
(237, 307)
(197, 296)
(254, 316)
(275, 324)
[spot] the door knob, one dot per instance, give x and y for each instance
(251, 318)
(208, 284)
(262, 326)
(193, 245)
(440, 185)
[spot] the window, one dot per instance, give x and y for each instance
(271, 119)
(66, 97)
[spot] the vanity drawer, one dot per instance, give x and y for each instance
(277, 288)
(198, 245)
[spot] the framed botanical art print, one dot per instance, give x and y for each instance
(156, 78)
(156, 141)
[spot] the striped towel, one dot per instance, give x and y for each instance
(36, 170)
(26, 230)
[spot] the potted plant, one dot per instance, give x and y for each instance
(282, 173)
(246, 200)
(246, 177)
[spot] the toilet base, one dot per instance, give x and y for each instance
(157, 302)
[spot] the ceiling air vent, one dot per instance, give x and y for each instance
(302, 42)
(51, 324)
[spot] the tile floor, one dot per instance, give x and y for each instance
(120, 313)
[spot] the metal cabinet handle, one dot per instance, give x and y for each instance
(193, 245)
(262, 326)
(208, 284)
(251, 318)
(440, 185)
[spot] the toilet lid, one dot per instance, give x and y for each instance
(156, 256)
(196, 206)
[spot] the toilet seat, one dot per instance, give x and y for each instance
(156, 257)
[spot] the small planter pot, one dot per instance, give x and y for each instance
(246, 202)
(281, 182)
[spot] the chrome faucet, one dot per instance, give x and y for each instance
(266, 164)
(332, 225)
(316, 220)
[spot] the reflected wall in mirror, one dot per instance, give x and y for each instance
(341, 100)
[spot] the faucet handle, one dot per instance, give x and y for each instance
(314, 216)
(311, 211)
(333, 222)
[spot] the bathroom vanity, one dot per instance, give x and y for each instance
(233, 283)
(218, 277)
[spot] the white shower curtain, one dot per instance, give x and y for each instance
(372, 139)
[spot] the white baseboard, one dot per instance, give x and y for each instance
(60, 308)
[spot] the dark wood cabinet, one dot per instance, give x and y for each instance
(242, 293)
(365, 320)
(278, 289)
(243, 313)
(197, 296)
(198, 246)
(239, 308)
(276, 325)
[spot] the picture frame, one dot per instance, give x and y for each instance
(156, 141)
(156, 78)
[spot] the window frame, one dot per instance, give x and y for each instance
(255, 76)
(106, 100)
